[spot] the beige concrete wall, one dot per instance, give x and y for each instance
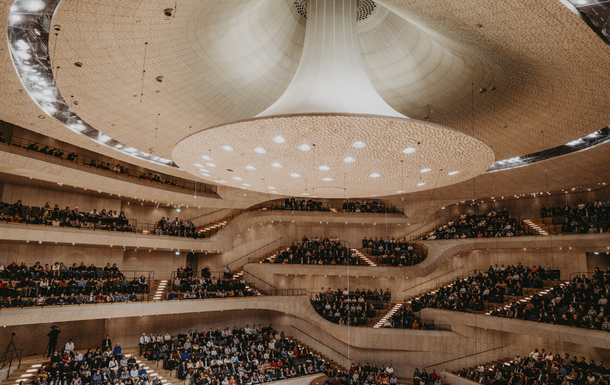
(473, 339)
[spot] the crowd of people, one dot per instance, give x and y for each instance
(238, 356)
(365, 206)
(493, 224)
(104, 365)
(541, 368)
(393, 252)
(581, 303)
(404, 318)
(299, 204)
(317, 251)
(590, 218)
(57, 284)
(345, 307)
(96, 163)
(491, 286)
(177, 228)
(186, 286)
(109, 220)
(372, 374)
(67, 217)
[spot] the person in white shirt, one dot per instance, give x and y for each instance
(389, 369)
(144, 340)
(69, 346)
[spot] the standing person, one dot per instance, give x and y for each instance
(106, 343)
(53, 335)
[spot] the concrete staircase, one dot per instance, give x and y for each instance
(378, 322)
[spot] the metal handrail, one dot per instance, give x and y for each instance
(468, 355)
(317, 340)
(253, 251)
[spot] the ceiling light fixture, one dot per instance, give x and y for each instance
(227, 148)
(271, 188)
(409, 150)
(295, 175)
(421, 184)
(251, 168)
(324, 168)
(375, 175)
(211, 164)
(308, 113)
(195, 164)
(260, 150)
(205, 157)
(237, 178)
(327, 179)
(304, 147)
(245, 184)
(425, 170)
(454, 172)
(276, 165)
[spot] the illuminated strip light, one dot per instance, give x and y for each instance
(26, 29)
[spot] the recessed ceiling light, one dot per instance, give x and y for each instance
(425, 170)
(250, 168)
(305, 194)
(276, 165)
(274, 192)
(237, 178)
(222, 181)
(279, 139)
(453, 172)
(359, 144)
(399, 192)
(327, 179)
(304, 147)
(260, 150)
(375, 175)
(195, 164)
(295, 175)
(409, 150)
(271, 188)
(211, 164)
(203, 170)
(245, 184)
(421, 184)
(349, 159)
(324, 168)
(205, 174)
(227, 148)
(206, 157)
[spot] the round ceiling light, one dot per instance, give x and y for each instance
(208, 175)
(260, 150)
(324, 168)
(295, 175)
(227, 148)
(222, 181)
(245, 184)
(349, 159)
(203, 170)
(276, 165)
(197, 165)
(327, 179)
(421, 184)
(271, 188)
(237, 178)
(279, 139)
(409, 150)
(304, 147)
(211, 164)
(305, 194)
(425, 170)
(359, 144)
(251, 168)
(454, 172)
(205, 157)
(375, 175)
